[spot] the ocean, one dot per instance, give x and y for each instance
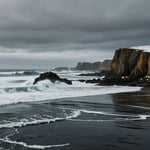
(80, 116)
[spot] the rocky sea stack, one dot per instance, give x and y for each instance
(53, 77)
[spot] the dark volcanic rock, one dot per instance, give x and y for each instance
(94, 81)
(53, 77)
(99, 74)
(142, 82)
(114, 81)
(91, 80)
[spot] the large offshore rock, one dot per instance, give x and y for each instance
(53, 77)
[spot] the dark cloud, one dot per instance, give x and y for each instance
(41, 26)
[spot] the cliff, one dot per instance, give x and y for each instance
(96, 66)
(131, 62)
(105, 65)
(88, 66)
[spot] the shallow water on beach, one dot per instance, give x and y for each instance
(79, 122)
(105, 121)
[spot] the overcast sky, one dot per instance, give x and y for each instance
(51, 33)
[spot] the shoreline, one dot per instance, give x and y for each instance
(81, 96)
(97, 118)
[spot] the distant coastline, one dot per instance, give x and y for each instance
(129, 66)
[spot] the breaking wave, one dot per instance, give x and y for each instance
(45, 90)
(19, 88)
(26, 73)
(19, 73)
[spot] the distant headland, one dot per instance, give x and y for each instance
(129, 67)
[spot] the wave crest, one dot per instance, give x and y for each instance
(26, 73)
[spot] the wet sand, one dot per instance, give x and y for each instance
(111, 122)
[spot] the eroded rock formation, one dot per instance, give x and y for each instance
(53, 77)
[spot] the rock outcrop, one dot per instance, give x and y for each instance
(98, 74)
(133, 63)
(53, 77)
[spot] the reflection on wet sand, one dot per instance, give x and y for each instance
(135, 132)
(134, 102)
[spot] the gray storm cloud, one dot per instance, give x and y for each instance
(55, 30)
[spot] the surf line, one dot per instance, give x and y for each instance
(135, 117)
(7, 140)
(74, 114)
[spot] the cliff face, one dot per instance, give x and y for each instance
(88, 66)
(105, 65)
(130, 62)
(148, 72)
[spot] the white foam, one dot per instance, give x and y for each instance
(109, 120)
(7, 140)
(126, 117)
(139, 107)
(25, 122)
(75, 114)
(47, 91)
(106, 113)
(136, 117)
(15, 92)
(34, 121)
(143, 117)
(83, 120)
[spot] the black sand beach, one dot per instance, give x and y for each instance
(74, 75)
(110, 122)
